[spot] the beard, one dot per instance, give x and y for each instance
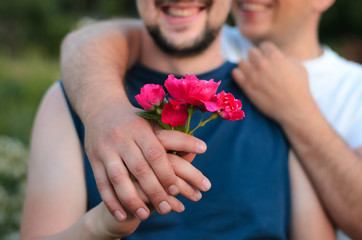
(194, 48)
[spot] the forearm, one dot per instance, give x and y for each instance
(308, 218)
(333, 168)
(88, 227)
(94, 61)
(80, 230)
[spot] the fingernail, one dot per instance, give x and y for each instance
(142, 214)
(173, 190)
(206, 184)
(181, 207)
(197, 195)
(119, 216)
(201, 146)
(164, 207)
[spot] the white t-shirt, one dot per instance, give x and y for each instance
(335, 83)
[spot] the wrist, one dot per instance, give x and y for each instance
(300, 117)
(93, 225)
(99, 99)
(304, 127)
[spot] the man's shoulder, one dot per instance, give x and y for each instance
(333, 65)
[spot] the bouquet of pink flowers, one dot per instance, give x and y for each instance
(188, 94)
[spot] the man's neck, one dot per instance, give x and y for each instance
(303, 50)
(302, 44)
(154, 58)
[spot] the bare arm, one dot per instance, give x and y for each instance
(308, 219)
(55, 204)
(279, 87)
(94, 61)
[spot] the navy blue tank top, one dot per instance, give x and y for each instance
(246, 162)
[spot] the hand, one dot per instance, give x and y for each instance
(276, 84)
(106, 226)
(117, 140)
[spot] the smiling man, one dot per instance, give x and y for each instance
(332, 165)
(322, 116)
(247, 162)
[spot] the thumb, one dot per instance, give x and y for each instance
(238, 76)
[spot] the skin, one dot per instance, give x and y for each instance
(55, 205)
(103, 125)
(335, 183)
(269, 79)
(299, 19)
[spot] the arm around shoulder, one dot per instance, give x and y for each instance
(94, 60)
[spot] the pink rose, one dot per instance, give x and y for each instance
(191, 90)
(151, 95)
(230, 108)
(174, 113)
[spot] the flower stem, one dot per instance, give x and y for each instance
(190, 111)
(214, 116)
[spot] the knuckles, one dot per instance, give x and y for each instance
(101, 186)
(131, 203)
(155, 155)
(117, 177)
(156, 193)
(161, 135)
(141, 169)
(117, 134)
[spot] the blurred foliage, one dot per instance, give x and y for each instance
(13, 162)
(25, 23)
(30, 36)
(344, 18)
(23, 80)
(341, 28)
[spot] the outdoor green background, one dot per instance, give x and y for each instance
(30, 35)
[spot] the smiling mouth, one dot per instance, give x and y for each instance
(182, 11)
(253, 6)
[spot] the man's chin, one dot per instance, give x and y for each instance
(182, 49)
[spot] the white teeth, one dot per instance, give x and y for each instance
(253, 7)
(178, 12)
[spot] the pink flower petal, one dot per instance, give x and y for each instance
(151, 95)
(174, 113)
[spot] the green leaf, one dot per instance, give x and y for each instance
(180, 128)
(148, 115)
(165, 126)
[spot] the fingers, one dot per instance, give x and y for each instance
(268, 48)
(189, 173)
(246, 74)
(176, 205)
(124, 188)
(239, 76)
(189, 192)
(181, 142)
(255, 57)
(107, 193)
(147, 179)
(155, 155)
(189, 157)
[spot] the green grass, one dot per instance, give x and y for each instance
(23, 81)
